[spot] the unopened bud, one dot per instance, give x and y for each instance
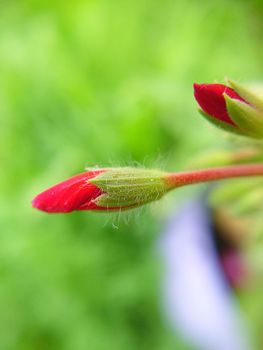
(235, 108)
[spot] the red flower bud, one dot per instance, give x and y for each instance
(104, 189)
(127, 188)
(210, 98)
(237, 109)
(75, 193)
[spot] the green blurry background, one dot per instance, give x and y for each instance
(102, 82)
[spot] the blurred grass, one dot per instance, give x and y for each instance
(101, 82)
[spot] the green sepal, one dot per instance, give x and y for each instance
(129, 187)
(220, 124)
(247, 118)
(254, 99)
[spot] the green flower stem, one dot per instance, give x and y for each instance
(213, 174)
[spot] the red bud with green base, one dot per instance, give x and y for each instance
(234, 108)
(126, 188)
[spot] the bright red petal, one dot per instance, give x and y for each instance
(71, 194)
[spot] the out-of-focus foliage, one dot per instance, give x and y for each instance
(99, 82)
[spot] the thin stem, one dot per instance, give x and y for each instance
(213, 174)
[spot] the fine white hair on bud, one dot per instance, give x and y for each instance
(130, 187)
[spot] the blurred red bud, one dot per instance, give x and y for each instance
(210, 98)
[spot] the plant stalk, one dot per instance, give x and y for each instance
(214, 174)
